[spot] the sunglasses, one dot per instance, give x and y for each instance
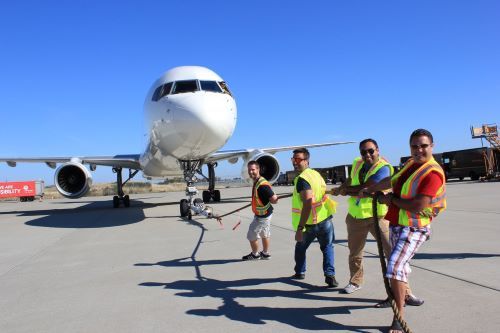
(424, 146)
(297, 159)
(370, 151)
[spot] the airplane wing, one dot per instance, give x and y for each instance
(123, 161)
(234, 154)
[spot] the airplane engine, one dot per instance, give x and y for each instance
(73, 180)
(269, 166)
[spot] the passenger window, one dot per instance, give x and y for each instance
(210, 86)
(185, 86)
(224, 87)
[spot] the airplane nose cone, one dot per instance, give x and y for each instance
(204, 122)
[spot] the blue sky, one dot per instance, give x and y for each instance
(74, 74)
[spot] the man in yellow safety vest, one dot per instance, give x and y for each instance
(312, 211)
(366, 170)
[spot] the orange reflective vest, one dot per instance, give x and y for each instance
(258, 208)
(409, 191)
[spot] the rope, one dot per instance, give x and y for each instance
(248, 205)
(383, 264)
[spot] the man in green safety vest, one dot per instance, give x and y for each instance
(312, 211)
(366, 170)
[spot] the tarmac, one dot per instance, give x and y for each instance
(82, 266)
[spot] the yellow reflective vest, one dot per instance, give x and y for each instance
(362, 208)
(258, 208)
(322, 206)
(409, 191)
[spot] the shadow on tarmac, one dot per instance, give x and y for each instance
(228, 292)
(450, 256)
(465, 255)
(302, 318)
(95, 214)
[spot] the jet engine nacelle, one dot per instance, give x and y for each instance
(73, 180)
(269, 166)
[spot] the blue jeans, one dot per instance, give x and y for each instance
(326, 235)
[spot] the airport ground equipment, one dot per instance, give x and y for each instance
(24, 190)
(491, 156)
(465, 163)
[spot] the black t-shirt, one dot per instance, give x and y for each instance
(265, 193)
(302, 185)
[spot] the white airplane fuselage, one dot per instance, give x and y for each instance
(190, 113)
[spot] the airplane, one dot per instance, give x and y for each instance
(190, 114)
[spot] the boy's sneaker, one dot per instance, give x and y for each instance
(264, 256)
(350, 288)
(251, 256)
(331, 281)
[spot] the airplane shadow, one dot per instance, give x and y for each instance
(96, 214)
(92, 214)
(229, 291)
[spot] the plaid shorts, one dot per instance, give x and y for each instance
(405, 243)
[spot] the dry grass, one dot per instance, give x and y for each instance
(104, 189)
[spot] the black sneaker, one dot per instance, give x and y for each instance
(331, 281)
(251, 256)
(298, 276)
(264, 256)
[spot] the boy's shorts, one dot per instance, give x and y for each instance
(259, 228)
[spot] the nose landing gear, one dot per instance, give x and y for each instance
(189, 206)
(211, 193)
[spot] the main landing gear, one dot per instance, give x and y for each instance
(121, 197)
(188, 206)
(211, 193)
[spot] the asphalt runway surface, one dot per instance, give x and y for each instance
(82, 266)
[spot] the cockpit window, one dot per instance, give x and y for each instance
(185, 86)
(210, 86)
(166, 89)
(156, 93)
(224, 87)
(162, 91)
